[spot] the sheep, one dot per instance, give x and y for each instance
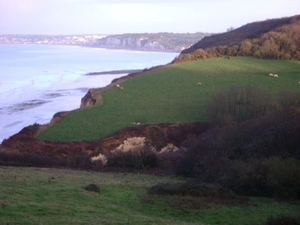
(131, 78)
(299, 82)
(199, 83)
(275, 75)
(271, 75)
(120, 87)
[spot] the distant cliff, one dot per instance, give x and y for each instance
(152, 42)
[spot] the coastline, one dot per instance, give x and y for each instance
(101, 47)
(114, 72)
(52, 89)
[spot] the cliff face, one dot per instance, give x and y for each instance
(152, 41)
(131, 43)
(25, 142)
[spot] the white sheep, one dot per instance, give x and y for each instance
(271, 75)
(275, 75)
(299, 82)
(121, 88)
(118, 85)
(199, 83)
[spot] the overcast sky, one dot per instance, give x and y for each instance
(136, 16)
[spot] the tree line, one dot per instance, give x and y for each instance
(280, 43)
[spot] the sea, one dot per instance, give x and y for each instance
(37, 81)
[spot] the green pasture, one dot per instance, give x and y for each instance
(53, 196)
(171, 94)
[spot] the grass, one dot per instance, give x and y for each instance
(170, 94)
(54, 196)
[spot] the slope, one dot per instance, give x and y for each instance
(248, 31)
(171, 94)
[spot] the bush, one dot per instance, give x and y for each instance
(26, 159)
(192, 188)
(237, 104)
(273, 177)
(155, 137)
(92, 187)
(283, 220)
(164, 189)
(258, 157)
(288, 99)
(138, 159)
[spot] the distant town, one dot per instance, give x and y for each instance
(49, 39)
(148, 41)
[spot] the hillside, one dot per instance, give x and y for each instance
(170, 94)
(236, 36)
(270, 39)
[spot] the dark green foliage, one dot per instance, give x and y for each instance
(265, 177)
(192, 188)
(92, 187)
(137, 159)
(284, 220)
(257, 157)
(79, 161)
(164, 189)
(288, 98)
(34, 127)
(15, 159)
(238, 103)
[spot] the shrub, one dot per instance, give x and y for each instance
(273, 177)
(257, 157)
(144, 158)
(247, 178)
(155, 137)
(237, 104)
(26, 159)
(192, 188)
(92, 187)
(79, 161)
(164, 189)
(284, 220)
(289, 98)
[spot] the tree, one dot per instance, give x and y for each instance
(238, 103)
(245, 49)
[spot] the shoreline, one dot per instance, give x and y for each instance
(114, 72)
(63, 91)
(100, 47)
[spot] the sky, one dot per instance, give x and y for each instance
(54, 17)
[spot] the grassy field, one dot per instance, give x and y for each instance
(170, 94)
(54, 196)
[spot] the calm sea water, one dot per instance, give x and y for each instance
(36, 81)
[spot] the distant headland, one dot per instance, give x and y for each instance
(173, 42)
